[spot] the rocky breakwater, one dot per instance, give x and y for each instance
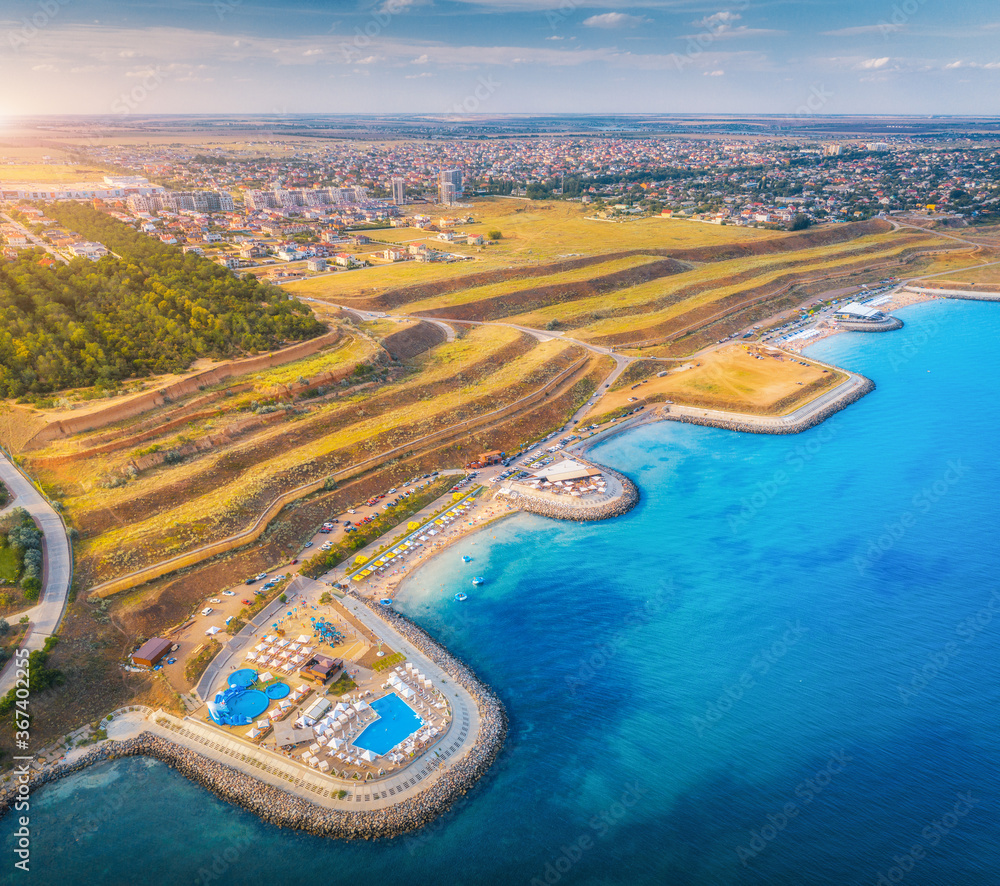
(283, 809)
(799, 421)
(564, 507)
(887, 324)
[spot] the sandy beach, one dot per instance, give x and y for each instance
(487, 511)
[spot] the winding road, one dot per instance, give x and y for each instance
(57, 563)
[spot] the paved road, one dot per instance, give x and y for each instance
(35, 241)
(58, 563)
(542, 335)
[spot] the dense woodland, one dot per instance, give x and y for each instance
(153, 310)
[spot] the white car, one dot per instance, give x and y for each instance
(208, 610)
(228, 593)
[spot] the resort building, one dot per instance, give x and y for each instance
(858, 313)
(565, 471)
(321, 668)
(149, 654)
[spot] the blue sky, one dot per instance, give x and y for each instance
(499, 56)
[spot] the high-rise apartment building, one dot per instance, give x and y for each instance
(399, 191)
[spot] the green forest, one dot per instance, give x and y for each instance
(152, 310)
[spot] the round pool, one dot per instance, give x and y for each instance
(278, 690)
(243, 677)
(251, 703)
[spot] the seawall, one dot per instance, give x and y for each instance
(750, 424)
(887, 325)
(284, 809)
(565, 508)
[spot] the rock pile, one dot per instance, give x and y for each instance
(279, 807)
(575, 509)
(749, 426)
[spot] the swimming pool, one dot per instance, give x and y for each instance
(251, 703)
(244, 677)
(396, 722)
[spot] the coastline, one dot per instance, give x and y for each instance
(287, 810)
(903, 298)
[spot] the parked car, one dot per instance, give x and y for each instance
(228, 594)
(208, 610)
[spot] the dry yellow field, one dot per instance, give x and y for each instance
(730, 378)
(533, 233)
(49, 174)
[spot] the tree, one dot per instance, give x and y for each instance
(800, 222)
(495, 234)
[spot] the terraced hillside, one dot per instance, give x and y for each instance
(676, 296)
(205, 468)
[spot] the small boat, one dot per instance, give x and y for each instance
(466, 558)
(478, 580)
(461, 598)
(385, 601)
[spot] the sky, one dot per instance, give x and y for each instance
(457, 57)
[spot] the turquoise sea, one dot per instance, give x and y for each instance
(781, 668)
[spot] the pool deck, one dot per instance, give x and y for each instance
(290, 775)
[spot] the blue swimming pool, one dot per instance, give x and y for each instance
(243, 677)
(396, 722)
(251, 703)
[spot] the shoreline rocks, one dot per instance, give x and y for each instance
(581, 511)
(749, 426)
(887, 325)
(281, 808)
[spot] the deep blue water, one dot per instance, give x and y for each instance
(781, 668)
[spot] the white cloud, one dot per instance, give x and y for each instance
(865, 30)
(612, 20)
(721, 26)
(713, 73)
(873, 63)
(718, 20)
(988, 66)
(310, 52)
(397, 7)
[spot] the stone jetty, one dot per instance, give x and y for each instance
(802, 420)
(886, 324)
(565, 508)
(284, 809)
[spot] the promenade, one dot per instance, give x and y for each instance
(278, 770)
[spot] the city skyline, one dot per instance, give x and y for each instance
(500, 57)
